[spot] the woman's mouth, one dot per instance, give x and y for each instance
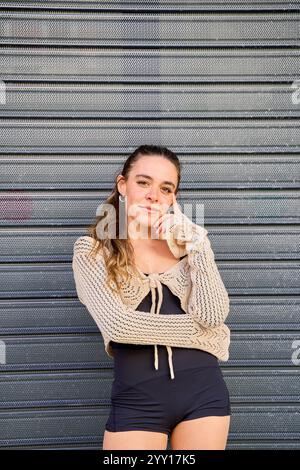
(148, 210)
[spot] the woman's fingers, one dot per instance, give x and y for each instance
(160, 224)
(175, 204)
(160, 221)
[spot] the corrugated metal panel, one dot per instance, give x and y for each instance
(144, 101)
(156, 5)
(223, 171)
(130, 29)
(242, 278)
(223, 207)
(187, 65)
(86, 82)
(65, 351)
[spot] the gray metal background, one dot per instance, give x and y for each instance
(86, 83)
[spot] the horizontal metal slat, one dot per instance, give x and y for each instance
(57, 136)
(146, 101)
(235, 171)
(154, 5)
(67, 352)
(228, 243)
(57, 316)
(241, 278)
(25, 208)
(150, 30)
(86, 426)
(93, 388)
(278, 444)
(240, 445)
(149, 65)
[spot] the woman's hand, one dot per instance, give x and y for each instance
(177, 229)
(182, 226)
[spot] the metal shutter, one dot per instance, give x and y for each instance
(83, 83)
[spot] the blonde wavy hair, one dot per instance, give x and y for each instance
(118, 253)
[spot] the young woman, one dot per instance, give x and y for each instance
(147, 406)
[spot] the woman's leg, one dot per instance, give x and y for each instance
(135, 440)
(207, 433)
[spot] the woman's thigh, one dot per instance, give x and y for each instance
(206, 433)
(136, 440)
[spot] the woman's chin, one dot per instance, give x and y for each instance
(147, 218)
(142, 225)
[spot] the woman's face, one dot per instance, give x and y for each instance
(154, 189)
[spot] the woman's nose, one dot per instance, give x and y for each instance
(153, 194)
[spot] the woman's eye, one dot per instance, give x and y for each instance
(145, 182)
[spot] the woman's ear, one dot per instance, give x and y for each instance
(121, 184)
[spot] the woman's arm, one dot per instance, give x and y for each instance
(121, 323)
(208, 301)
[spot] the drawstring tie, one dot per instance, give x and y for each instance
(155, 282)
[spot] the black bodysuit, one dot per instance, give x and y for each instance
(143, 398)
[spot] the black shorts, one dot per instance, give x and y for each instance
(143, 398)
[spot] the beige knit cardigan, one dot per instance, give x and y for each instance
(195, 279)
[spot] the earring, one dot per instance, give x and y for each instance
(120, 198)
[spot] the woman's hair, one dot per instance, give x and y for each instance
(118, 253)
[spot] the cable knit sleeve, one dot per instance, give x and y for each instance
(121, 323)
(208, 301)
